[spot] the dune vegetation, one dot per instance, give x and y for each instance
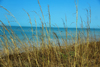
(81, 53)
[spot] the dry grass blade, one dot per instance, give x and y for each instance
(49, 20)
(30, 22)
(41, 10)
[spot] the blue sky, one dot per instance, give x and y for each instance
(58, 10)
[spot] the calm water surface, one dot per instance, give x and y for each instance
(60, 32)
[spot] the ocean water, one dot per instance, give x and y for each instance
(26, 32)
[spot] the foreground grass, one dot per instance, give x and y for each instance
(82, 53)
(54, 56)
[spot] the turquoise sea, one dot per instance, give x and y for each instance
(26, 32)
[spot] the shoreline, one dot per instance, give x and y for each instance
(20, 50)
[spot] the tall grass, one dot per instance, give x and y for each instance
(47, 53)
